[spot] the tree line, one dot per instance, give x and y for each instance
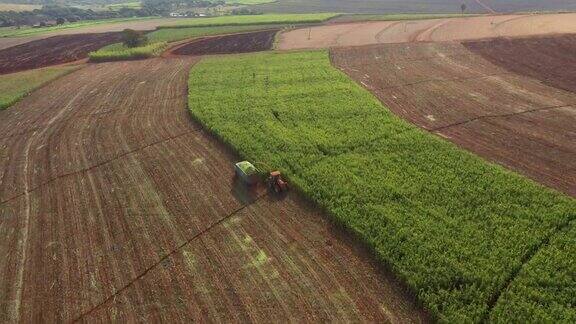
(61, 14)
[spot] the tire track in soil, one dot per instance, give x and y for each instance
(115, 178)
(25, 229)
(485, 6)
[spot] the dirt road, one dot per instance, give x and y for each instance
(116, 206)
(448, 29)
(501, 114)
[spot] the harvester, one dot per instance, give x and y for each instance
(251, 176)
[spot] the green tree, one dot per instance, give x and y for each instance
(133, 38)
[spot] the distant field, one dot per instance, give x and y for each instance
(252, 20)
(18, 7)
(29, 31)
(249, 2)
(15, 86)
(391, 17)
(177, 34)
(131, 5)
(416, 6)
(455, 228)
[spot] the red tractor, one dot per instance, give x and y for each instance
(276, 183)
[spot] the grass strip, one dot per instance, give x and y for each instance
(16, 86)
(29, 31)
(252, 20)
(119, 52)
(454, 227)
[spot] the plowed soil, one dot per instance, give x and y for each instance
(116, 206)
(499, 113)
(228, 44)
(52, 51)
(449, 29)
(548, 59)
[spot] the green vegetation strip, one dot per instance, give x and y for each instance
(545, 289)
(29, 31)
(455, 228)
(16, 86)
(249, 2)
(129, 5)
(253, 20)
(119, 52)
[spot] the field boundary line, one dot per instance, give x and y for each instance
(171, 253)
(485, 6)
(379, 34)
(500, 115)
(524, 261)
(101, 163)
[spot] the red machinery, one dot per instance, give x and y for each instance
(276, 183)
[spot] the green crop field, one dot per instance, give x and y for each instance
(173, 35)
(15, 86)
(472, 240)
(118, 52)
(129, 5)
(19, 7)
(249, 2)
(29, 31)
(253, 20)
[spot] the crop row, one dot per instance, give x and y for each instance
(455, 228)
(118, 52)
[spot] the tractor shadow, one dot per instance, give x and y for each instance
(248, 194)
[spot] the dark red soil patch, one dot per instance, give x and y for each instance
(551, 60)
(52, 51)
(503, 116)
(228, 44)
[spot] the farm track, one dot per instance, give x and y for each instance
(500, 114)
(52, 51)
(117, 206)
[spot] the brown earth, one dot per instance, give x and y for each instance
(548, 59)
(448, 29)
(52, 51)
(228, 44)
(116, 206)
(500, 114)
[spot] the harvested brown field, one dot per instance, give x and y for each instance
(52, 51)
(229, 44)
(548, 59)
(116, 206)
(446, 29)
(501, 114)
